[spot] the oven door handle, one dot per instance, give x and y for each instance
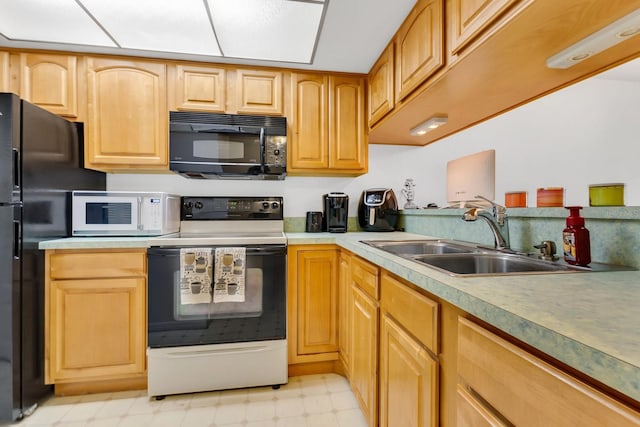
(277, 250)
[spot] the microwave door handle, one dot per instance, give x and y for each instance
(215, 128)
(262, 149)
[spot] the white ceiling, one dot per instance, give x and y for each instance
(331, 35)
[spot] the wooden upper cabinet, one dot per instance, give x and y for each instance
(4, 72)
(419, 46)
(308, 144)
(380, 83)
(51, 82)
(327, 125)
(468, 18)
(127, 118)
(196, 88)
(347, 142)
(259, 92)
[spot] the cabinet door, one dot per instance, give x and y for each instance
(51, 82)
(347, 142)
(97, 329)
(408, 379)
(344, 308)
(419, 46)
(199, 88)
(472, 413)
(4, 72)
(127, 121)
(468, 18)
(364, 353)
(317, 301)
(380, 82)
(497, 371)
(309, 140)
(259, 92)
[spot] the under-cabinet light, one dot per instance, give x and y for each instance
(620, 30)
(431, 124)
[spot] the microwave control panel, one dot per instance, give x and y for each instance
(276, 150)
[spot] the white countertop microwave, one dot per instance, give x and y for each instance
(123, 213)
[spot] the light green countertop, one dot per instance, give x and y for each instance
(590, 321)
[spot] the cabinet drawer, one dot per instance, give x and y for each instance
(365, 275)
(77, 265)
(414, 311)
(528, 391)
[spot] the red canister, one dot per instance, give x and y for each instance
(551, 197)
(515, 199)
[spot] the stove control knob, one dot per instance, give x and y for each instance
(199, 205)
(265, 205)
(188, 205)
(274, 205)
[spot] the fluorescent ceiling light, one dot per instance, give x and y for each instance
(429, 125)
(169, 26)
(622, 29)
(60, 21)
(273, 30)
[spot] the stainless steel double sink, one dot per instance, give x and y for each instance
(465, 259)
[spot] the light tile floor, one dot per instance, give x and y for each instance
(306, 401)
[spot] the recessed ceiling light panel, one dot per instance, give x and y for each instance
(168, 26)
(272, 30)
(52, 21)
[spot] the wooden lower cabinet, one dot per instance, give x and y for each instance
(312, 303)
(413, 359)
(344, 312)
(363, 363)
(409, 343)
(95, 310)
(512, 384)
(408, 379)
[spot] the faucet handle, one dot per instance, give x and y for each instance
(547, 250)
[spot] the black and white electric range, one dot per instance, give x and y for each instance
(217, 297)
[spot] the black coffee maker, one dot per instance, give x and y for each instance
(336, 212)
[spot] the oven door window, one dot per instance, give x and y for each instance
(260, 316)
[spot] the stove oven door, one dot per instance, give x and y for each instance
(178, 318)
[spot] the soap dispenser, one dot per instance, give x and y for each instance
(575, 238)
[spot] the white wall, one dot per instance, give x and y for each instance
(586, 134)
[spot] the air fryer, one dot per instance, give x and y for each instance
(336, 212)
(378, 210)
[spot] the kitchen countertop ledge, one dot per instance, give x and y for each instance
(589, 321)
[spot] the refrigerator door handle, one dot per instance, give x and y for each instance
(16, 168)
(16, 239)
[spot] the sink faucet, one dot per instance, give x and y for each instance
(497, 220)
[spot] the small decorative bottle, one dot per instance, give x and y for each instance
(575, 238)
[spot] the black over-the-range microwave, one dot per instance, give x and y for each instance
(208, 145)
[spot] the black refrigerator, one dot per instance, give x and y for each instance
(41, 158)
